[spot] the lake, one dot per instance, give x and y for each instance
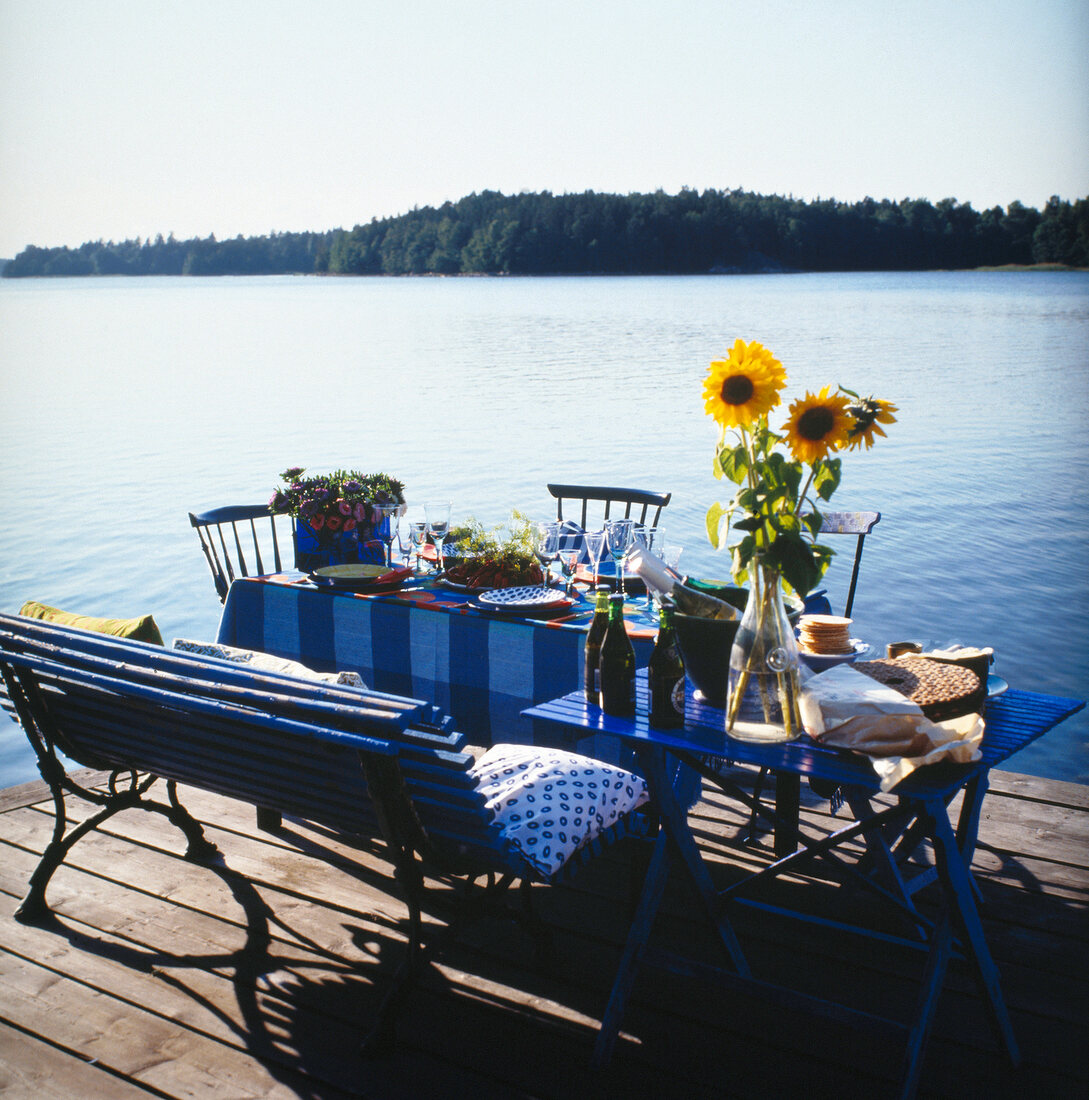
(130, 402)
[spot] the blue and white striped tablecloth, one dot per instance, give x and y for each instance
(482, 668)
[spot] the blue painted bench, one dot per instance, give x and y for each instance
(356, 761)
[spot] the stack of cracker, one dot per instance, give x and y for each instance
(824, 634)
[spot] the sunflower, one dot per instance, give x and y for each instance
(818, 425)
(868, 413)
(744, 386)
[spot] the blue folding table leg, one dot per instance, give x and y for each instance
(638, 934)
(960, 900)
(674, 838)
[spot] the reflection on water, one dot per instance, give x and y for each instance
(130, 402)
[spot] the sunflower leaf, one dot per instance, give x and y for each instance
(733, 462)
(714, 523)
(826, 476)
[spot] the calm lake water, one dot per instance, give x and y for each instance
(130, 402)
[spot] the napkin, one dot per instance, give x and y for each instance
(847, 709)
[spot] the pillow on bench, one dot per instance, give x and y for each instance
(551, 803)
(266, 662)
(140, 629)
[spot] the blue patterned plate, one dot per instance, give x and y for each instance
(521, 598)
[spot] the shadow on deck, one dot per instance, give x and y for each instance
(259, 976)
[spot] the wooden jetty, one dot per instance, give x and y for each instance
(258, 977)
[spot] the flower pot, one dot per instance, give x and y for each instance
(317, 549)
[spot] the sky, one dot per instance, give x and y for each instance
(130, 118)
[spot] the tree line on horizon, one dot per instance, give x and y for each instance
(539, 233)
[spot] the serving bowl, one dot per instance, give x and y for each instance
(705, 646)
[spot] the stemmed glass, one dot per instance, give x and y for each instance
(671, 556)
(595, 547)
(651, 539)
(388, 515)
(417, 533)
(404, 540)
(546, 546)
(438, 525)
(618, 536)
(570, 552)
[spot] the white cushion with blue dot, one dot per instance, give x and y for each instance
(551, 803)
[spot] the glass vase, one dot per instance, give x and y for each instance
(762, 698)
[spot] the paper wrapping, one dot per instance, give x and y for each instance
(848, 710)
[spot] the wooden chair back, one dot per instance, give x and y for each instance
(240, 536)
(610, 502)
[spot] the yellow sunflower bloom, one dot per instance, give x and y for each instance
(744, 386)
(867, 414)
(818, 425)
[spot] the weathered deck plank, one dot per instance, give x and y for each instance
(257, 977)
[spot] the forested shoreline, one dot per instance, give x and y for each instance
(544, 234)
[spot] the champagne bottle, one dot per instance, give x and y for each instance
(665, 674)
(617, 664)
(594, 638)
(657, 575)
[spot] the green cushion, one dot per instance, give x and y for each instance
(142, 629)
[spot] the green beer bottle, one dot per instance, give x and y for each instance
(593, 645)
(665, 674)
(617, 664)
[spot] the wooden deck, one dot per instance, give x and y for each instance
(258, 977)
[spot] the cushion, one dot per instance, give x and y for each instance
(266, 662)
(551, 803)
(141, 629)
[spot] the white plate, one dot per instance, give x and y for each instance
(818, 662)
(995, 686)
(522, 598)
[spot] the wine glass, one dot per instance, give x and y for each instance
(618, 536)
(387, 515)
(417, 533)
(570, 552)
(438, 525)
(595, 547)
(404, 539)
(650, 539)
(546, 546)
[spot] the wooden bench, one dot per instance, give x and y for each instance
(356, 761)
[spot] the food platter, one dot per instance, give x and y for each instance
(456, 586)
(360, 577)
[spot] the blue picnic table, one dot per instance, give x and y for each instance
(892, 830)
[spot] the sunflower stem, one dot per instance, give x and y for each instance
(805, 489)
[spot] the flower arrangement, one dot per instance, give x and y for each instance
(336, 503)
(781, 476)
(773, 507)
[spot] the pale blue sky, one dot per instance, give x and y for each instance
(124, 118)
